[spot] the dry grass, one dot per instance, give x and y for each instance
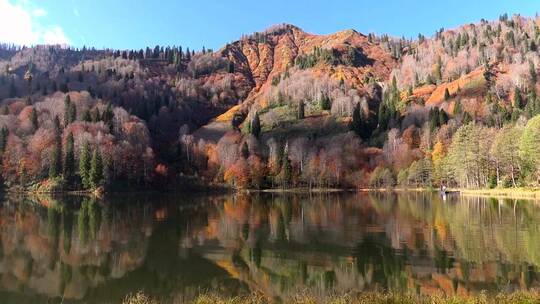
(468, 84)
(513, 193)
(216, 299)
(228, 116)
(364, 298)
(139, 298)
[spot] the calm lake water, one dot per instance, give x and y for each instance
(88, 251)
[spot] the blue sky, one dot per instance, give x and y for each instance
(212, 23)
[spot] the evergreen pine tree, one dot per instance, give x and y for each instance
(394, 86)
(55, 167)
(69, 158)
(96, 169)
(301, 110)
(518, 100)
(356, 122)
(434, 118)
(84, 165)
(515, 114)
(530, 107)
(457, 108)
(382, 117)
(96, 116)
(532, 71)
(108, 117)
(22, 174)
(4, 133)
(286, 171)
(86, 116)
(70, 112)
(443, 117)
(438, 70)
(325, 102)
(256, 126)
(446, 94)
(34, 119)
(12, 89)
(245, 150)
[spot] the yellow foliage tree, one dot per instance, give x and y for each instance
(437, 157)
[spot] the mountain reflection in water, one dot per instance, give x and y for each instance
(172, 248)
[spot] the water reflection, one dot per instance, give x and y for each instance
(81, 249)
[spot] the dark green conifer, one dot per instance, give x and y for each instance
(301, 110)
(84, 165)
(69, 158)
(96, 169)
(245, 150)
(325, 102)
(86, 116)
(518, 100)
(34, 119)
(55, 166)
(286, 171)
(4, 133)
(256, 126)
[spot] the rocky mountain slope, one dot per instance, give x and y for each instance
(263, 59)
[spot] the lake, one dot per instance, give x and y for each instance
(172, 247)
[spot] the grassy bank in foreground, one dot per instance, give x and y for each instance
(376, 298)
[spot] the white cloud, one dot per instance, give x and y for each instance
(15, 24)
(19, 25)
(55, 35)
(39, 12)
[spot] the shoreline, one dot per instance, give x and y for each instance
(510, 193)
(298, 190)
(532, 296)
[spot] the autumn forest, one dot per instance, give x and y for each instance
(280, 108)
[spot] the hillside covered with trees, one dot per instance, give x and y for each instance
(279, 108)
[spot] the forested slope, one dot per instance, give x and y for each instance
(279, 108)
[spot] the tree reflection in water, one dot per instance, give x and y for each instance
(95, 251)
